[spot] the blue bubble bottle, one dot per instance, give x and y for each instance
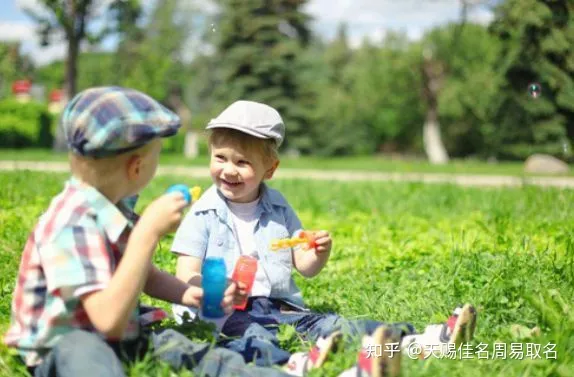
(180, 188)
(214, 282)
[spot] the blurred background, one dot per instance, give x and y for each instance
(432, 80)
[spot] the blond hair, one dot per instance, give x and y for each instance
(266, 149)
(104, 171)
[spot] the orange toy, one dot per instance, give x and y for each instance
(306, 239)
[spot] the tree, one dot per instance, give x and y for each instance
(468, 98)
(259, 46)
(13, 66)
(150, 57)
(97, 69)
(338, 55)
(73, 19)
(434, 72)
(537, 37)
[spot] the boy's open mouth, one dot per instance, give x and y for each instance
(232, 184)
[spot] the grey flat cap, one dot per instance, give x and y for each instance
(253, 118)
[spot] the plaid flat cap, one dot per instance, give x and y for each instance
(107, 121)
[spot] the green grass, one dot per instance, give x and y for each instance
(403, 252)
(361, 163)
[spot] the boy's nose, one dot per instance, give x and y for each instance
(230, 171)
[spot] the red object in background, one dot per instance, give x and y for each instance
(21, 87)
(244, 272)
(56, 95)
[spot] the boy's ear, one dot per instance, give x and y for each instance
(134, 167)
(269, 173)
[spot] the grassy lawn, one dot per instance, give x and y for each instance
(366, 163)
(403, 252)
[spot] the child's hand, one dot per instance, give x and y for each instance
(240, 293)
(192, 296)
(323, 241)
(228, 298)
(164, 214)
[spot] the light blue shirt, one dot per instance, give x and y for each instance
(207, 231)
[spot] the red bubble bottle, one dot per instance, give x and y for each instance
(244, 272)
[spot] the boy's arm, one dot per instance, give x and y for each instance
(121, 293)
(167, 287)
(310, 262)
(188, 269)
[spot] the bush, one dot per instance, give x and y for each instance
(25, 125)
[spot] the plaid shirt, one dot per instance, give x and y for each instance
(74, 249)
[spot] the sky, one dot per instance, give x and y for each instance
(365, 18)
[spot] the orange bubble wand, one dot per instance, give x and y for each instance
(306, 239)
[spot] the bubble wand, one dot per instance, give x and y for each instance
(190, 195)
(306, 239)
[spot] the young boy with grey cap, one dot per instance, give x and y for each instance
(88, 259)
(241, 215)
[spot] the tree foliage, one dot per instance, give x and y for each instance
(339, 99)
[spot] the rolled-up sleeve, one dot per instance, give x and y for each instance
(292, 222)
(192, 236)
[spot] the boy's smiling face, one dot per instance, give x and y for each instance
(238, 174)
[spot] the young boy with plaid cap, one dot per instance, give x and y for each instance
(75, 304)
(241, 215)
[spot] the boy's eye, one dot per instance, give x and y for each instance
(243, 162)
(219, 157)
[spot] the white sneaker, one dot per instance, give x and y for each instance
(301, 362)
(458, 329)
(380, 355)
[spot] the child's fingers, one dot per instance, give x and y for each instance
(227, 300)
(227, 304)
(231, 289)
(323, 240)
(241, 285)
(193, 296)
(239, 299)
(320, 234)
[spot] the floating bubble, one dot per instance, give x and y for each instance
(566, 148)
(534, 90)
(213, 28)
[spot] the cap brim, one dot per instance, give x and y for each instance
(238, 128)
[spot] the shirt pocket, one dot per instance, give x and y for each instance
(222, 245)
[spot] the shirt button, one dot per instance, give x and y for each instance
(219, 242)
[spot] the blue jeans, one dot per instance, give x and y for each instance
(256, 328)
(81, 353)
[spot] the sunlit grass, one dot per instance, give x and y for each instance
(403, 252)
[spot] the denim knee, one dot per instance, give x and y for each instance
(220, 362)
(177, 350)
(260, 346)
(81, 353)
(329, 323)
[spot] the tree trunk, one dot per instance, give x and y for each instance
(60, 143)
(71, 67)
(74, 35)
(433, 78)
(434, 148)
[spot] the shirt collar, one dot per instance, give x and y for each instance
(114, 219)
(213, 199)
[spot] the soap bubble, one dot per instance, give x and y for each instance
(534, 90)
